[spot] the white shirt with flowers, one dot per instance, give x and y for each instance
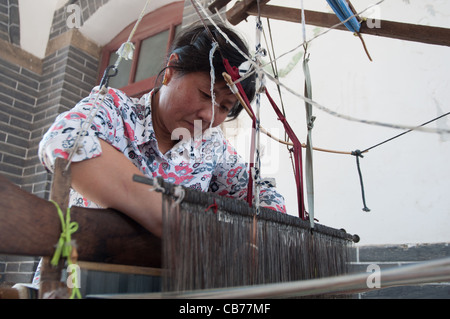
(207, 162)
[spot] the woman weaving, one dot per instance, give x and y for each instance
(158, 135)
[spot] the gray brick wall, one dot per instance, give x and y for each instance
(14, 269)
(392, 256)
(10, 21)
(88, 7)
(29, 103)
(68, 75)
(18, 92)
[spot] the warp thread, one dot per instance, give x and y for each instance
(216, 247)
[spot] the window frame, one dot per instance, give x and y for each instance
(162, 19)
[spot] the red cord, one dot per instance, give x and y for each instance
(297, 149)
(214, 207)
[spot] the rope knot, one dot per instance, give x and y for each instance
(179, 194)
(311, 123)
(65, 244)
(357, 153)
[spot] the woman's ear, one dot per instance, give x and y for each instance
(169, 72)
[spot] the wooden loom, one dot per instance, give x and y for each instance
(108, 240)
(109, 237)
(29, 226)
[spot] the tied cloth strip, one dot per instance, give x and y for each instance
(64, 247)
(297, 150)
(310, 124)
(309, 175)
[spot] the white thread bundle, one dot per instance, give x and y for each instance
(212, 73)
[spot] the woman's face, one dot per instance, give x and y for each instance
(184, 102)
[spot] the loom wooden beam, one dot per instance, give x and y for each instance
(388, 29)
(240, 11)
(218, 4)
(30, 226)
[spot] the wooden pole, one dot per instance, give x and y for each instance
(51, 285)
(9, 293)
(30, 226)
(388, 29)
(432, 271)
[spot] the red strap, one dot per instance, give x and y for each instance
(297, 157)
(234, 73)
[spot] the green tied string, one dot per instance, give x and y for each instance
(64, 246)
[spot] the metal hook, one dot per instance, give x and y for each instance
(106, 75)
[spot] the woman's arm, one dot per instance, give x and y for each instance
(107, 181)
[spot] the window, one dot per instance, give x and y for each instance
(152, 40)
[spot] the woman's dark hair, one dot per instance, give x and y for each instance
(193, 47)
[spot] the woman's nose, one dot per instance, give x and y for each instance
(206, 113)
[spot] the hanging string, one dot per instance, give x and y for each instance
(309, 176)
(215, 45)
(359, 153)
(303, 22)
(126, 50)
(259, 88)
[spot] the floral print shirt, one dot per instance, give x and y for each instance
(207, 162)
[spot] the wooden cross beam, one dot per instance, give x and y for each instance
(389, 29)
(30, 226)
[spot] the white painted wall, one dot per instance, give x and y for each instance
(35, 22)
(407, 181)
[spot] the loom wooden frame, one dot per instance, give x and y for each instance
(389, 29)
